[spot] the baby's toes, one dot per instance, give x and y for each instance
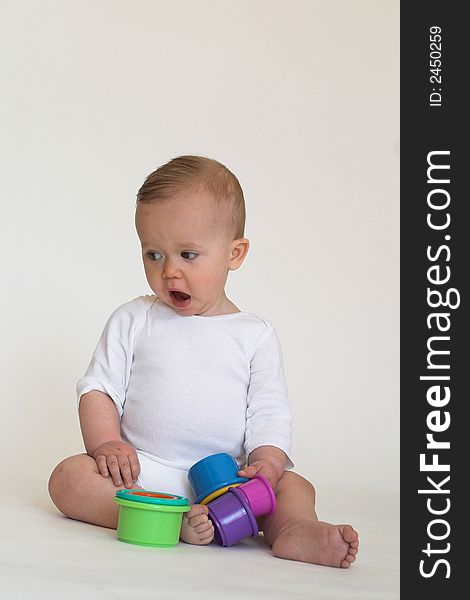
(205, 531)
(197, 509)
(198, 520)
(207, 536)
(349, 558)
(197, 530)
(349, 535)
(203, 527)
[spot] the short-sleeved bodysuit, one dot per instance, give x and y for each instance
(186, 387)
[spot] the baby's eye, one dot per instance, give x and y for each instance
(154, 255)
(192, 257)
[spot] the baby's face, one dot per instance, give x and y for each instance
(187, 253)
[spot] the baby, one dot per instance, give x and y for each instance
(185, 373)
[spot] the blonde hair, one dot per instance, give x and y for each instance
(189, 172)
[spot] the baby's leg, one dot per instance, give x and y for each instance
(295, 533)
(80, 492)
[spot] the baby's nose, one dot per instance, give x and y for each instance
(170, 270)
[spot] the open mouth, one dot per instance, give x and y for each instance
(180, 299)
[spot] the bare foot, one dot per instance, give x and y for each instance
(318, 542)
(197, 527)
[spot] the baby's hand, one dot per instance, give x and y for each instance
(263, 467)
(119, 460)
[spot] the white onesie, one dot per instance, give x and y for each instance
(186, 387)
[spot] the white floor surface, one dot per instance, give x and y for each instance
(45, 555)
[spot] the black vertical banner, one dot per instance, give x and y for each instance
(435, 269)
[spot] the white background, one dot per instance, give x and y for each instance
(300, 100)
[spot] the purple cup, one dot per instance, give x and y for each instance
(259, 495)
(232, 518)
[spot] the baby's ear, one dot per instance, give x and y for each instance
(239, 250)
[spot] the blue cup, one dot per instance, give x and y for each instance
(212, 473)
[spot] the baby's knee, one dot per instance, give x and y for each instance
(290, 479)
(63, 477)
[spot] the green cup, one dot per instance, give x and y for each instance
(150, 518)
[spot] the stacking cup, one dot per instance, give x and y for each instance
(232, 518)
(218, 493)
(150, 518)
(212, 473)
(259, 495)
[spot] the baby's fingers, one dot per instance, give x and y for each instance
(114, 470)
(135, 466)
(248, 472)
(125, 471)
(102, 465)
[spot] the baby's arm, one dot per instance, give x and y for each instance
(268, 461)
(101, 431)
(268, 415)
